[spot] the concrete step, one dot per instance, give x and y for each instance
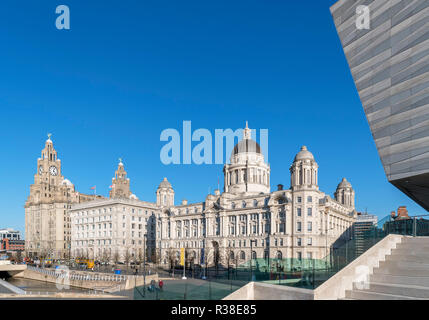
(397, 289)
(410, 251)
(401, 270)
(417, 240)
(392, 279)
(413, 246)
(409, 257)
(404, 264)
(368, 295)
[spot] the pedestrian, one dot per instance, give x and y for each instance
(160, 284)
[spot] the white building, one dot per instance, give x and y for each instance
(114, 229)
(299, 222)
(10, 234)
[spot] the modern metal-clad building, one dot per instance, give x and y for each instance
(390, 66)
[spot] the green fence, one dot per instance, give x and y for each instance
(302, 273)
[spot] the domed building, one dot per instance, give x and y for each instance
(165, 194)
(345, 193)
(300, 221)
(247, 172)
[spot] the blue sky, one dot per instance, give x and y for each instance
(129, 69)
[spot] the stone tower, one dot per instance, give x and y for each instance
(303, 172)
(345, 193)
(47, 224)
(165, 194)
(120, 183)
(247, 172)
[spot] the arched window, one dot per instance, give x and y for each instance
(242, 255)
(255, 203)
(243, 204)
(233, 205)
(253, 254)
(279, 255)
(231, 255)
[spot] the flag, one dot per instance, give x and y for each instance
(182, 256)
(93, 188)
(110, 187)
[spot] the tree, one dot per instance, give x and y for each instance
(116, 257)
(140, 257)
(189, 257)
(156, 256)
(228, 257)
(105, 256)
(127, 257)
(172, 258)
(217, 259)
(18, 256)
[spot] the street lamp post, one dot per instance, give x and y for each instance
(251, 257)
(144, 264)
(204, 260)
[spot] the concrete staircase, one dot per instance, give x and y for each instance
(404, 275)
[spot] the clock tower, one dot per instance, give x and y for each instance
(47, 224)
(120, 183)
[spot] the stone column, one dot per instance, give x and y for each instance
(273, 214)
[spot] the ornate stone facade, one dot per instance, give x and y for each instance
(300, 222)
(246, 219)
(47, 222)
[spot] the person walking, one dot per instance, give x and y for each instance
(160, 284)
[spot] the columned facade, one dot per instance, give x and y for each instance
(246, 220)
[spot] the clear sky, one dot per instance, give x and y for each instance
(129, 69)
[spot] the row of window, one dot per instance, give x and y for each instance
(244, 203)
(105, 210)
(187, 210)
(309, 212)
(309, 199)
(299, 226)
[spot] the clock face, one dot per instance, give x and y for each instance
(53, 170)
(40, 169)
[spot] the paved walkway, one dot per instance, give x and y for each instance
(190, 289)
